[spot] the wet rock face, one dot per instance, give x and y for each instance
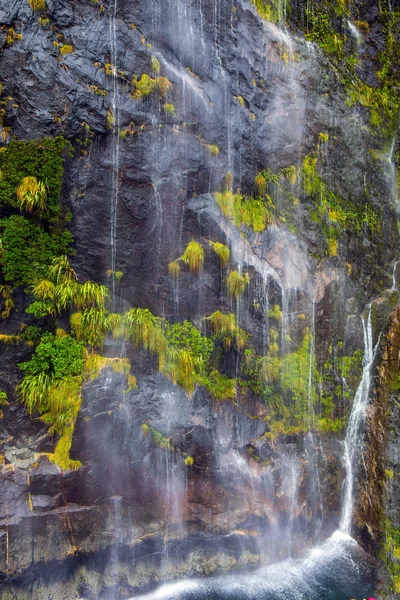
(262, 97)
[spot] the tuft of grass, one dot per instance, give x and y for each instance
(37, 5)
(174, 269)
(189, 461)
(212, 149)
(169, 108)
(184, 368)
(6, 294)
(261, 184)
(9, 339)
(143, 87)
(222, 252)
(66, 49)
(193, 256)
(155, 65)
(32, 195)
(110, 119)
(226, 327)
(163, 85)
(145, 330)
(237, 284)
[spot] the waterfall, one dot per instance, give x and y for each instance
(355, 33)
(115, 147)
(394, 276)
(354, 431)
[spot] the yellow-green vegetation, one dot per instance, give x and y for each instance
(212, 149)
(174, 269)
(96, 90)
(189, 362)
(146, 85)
(52, 387)
(222, 252)
(169, 108)
(117, 275)
(52, 384)
(271, 10)
(110, 120)
(62, 291)
(12, 37)
(193, 256)
(37, 5)
(391, 557)
(32, 195)
(159, 439)
(323, 137)
(188, 354)
(261, 184)
(189, 461)
(333, 213)
(276, 313)
(144, 330)
(155, 65)
(6, 295)
(219, 385)
(227, 330)
(31, 182)
(66, 49)
(324, 24)
(254, 213)
(297, 394)
(9, 339)
(95, 363)
(3, 401)
(237, 283)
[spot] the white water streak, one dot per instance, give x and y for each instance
(354, 433)
(115, 146)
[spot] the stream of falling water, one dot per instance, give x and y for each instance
(115, 146)
(352, 445)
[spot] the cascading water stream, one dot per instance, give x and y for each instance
(115, 147)
(355, 426)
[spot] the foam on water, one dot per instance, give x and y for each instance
(336, 570)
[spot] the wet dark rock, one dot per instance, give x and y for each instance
(62, 525)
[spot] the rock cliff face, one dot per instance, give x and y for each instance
(172, 483)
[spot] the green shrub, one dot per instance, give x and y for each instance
(28, 250)
(56, 357)
(185, 336)
(42, 159)
(219, 386)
